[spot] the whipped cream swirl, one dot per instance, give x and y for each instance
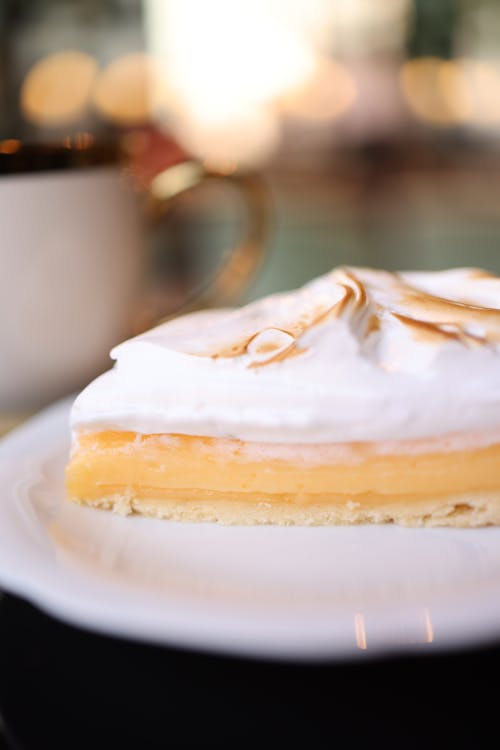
(355, 355)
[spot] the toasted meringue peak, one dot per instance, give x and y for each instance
(430, 308)
(382, 356)
(269, 345)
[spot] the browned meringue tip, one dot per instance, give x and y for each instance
(366, 300)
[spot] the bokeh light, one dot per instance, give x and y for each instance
(328, 94)
(227, 70)
(128, 89)
(433, 91)
(447, 93)
(248, 137)
(482, 83)
(10, 146)
(57, 88)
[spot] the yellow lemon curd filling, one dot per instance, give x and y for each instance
(111, 463)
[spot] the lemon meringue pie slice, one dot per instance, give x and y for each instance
(364, 396)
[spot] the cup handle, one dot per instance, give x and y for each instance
(235, 272)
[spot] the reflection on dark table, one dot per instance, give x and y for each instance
(63, 687)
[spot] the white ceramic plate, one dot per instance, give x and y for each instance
(261, 591)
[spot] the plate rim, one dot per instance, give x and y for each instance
(216, 636)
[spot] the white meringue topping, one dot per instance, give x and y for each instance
(355, 355)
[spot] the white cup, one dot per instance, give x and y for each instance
(72, 266)
(70, 252)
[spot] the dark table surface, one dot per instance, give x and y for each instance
(65, 687)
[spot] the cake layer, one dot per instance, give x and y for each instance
(157, 474)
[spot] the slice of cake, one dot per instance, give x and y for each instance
(365, 396)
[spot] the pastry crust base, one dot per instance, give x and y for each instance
(463, 510)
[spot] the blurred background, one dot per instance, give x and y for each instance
(142, 142)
